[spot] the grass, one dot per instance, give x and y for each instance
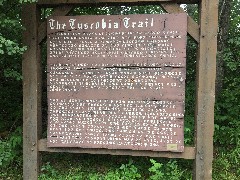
(65, 166)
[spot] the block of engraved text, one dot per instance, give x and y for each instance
(117, 82)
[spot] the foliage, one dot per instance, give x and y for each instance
(125, 172)
(227, 118)
(117, 10)
(156, 170)
(9, 148)
(168, 171)
(190, 92)
(48, 171)
(226, 166)
(11, 50)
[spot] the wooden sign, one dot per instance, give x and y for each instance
(117, 82)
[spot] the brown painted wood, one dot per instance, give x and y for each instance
(193, 27)
(204, 117)
(110, 2)
(31, 67)
(107, 85)
(189, 152)
(58, 11)
(206, 73)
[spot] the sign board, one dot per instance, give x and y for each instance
(117, 82)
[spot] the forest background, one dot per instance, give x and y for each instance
(83, 166)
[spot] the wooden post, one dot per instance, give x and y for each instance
(31, 67)
(206, 74)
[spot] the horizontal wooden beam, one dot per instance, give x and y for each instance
(111, 2)
(193, 27)
(58, 11)
(189, 152)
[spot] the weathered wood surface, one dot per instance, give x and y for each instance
(97, 78)
(205, 90)
(58, 11)
(31, 67)
(111, 2)
(193, 27)
(206, 74)
(189, 152)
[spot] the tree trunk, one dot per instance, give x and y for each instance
(224, 18)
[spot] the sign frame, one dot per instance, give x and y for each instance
(204, 33)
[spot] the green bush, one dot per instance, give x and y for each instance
(168, 171)
(10, 148)
(124, 172)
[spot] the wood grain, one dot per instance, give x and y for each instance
(189, 152)
(193, 27)
(206, 74)
(31, 67)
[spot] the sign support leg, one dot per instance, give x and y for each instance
(31, 67)
(206, 74)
